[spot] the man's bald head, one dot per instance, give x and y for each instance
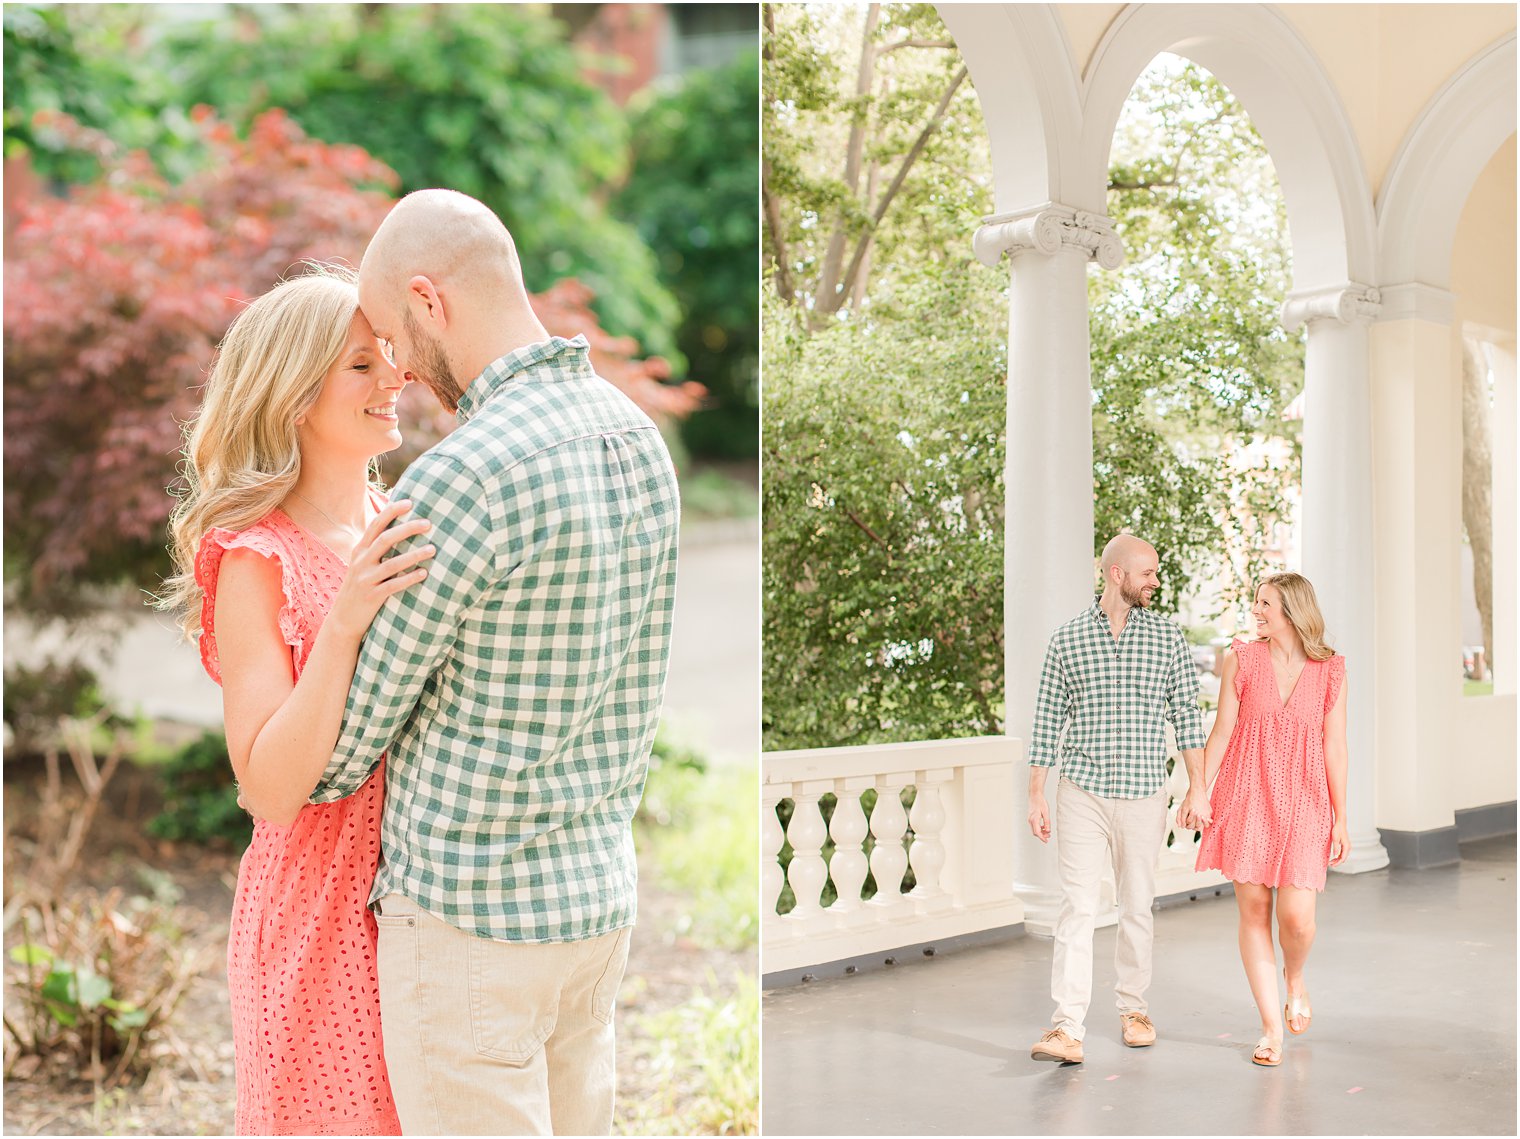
(1123, 550)
(449, 238)
(441, 283)
(1131, 570)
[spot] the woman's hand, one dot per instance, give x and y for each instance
(372, 577)
(1340, 845)
(1195, 811)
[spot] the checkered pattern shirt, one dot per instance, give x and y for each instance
(1110, 697)
(517, 689)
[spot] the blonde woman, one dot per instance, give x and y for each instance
(1278, 810)
(278, 547)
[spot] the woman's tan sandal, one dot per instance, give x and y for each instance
(1297, 1008)
(1267, 1054)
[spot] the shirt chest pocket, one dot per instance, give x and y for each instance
(1145, 685)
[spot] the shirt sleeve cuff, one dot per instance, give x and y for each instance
(1041, 759)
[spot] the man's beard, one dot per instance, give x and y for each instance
(1132, 595)
(430, 364)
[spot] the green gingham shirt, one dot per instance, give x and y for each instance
(1109, 696)
(516, 690)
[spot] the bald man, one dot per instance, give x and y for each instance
(515, 693)
(1113, 675)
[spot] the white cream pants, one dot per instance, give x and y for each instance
(496, 1037)
(1089, 833)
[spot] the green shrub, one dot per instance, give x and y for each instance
(200, 796)
(96, 979)
(37, 699)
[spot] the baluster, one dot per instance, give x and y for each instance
(889, 859)
(807, 832)
(848, 829)
(927, 854)
(772, 874)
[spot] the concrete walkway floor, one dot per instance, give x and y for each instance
(1413, 984)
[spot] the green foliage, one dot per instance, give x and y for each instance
(883, 505)
(200, 796)
(70, 992)
(692, 197)
(925, 176)
(709, 493)
(485, 99)
(706, 1053)
(698, 835)
(36, 699)
(91, 70)
(1191, 368)
(95, 980)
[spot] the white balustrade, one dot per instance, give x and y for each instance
(808, 872)
(848, 868)
(960, 847)
(927, 854)
(958, 838)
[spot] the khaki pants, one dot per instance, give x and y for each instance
(495, 1037)
(1089, 832)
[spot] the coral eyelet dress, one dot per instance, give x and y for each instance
(1271, 801)
(301, 949)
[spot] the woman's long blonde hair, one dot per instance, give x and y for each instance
(1301, 608)
(242, 451)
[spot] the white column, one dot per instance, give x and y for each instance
(1417, 517)
(1337, 525)
(1048, 562)
(1501, 357)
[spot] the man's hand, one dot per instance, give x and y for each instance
(1195, 812)
(243, 804)
(1039, 817)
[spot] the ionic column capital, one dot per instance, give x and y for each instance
(1048, 229)
(1349, 303)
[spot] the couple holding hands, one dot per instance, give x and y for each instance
(1275, 759)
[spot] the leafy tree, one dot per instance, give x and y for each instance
(485, 99)
(883, 507)
(116, 299)
(692, 197)
(873, 143)
(45, 70)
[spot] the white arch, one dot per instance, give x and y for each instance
(1255, 52)
(1021, 66)
(1439, 160)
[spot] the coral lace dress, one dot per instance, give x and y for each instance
(1271, 802)
(301, 950)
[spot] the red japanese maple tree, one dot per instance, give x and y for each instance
(116, 298)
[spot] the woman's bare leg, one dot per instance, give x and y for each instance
(1258, 954)
(1295, 933)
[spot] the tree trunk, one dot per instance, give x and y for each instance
(902, 173)
(780, 255)
(858, 292)
(1477, 488)
(865, 77)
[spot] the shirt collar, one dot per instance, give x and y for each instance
(1098, 614)
(566, 359)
